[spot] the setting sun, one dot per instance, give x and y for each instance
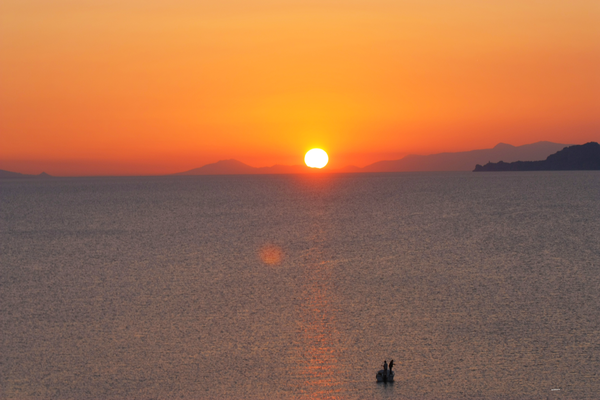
(316, 158)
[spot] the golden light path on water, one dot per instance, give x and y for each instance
(319, 363)
(316, 349)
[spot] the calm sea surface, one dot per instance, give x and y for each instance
(479, 286)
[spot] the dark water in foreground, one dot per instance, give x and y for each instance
(479, 286)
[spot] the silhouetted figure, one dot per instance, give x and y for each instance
(391, 365)
(385, 367)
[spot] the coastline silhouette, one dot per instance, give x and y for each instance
(459, 161)
(502, 157)
(572, 158)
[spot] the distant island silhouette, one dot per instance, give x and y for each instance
(465, 160)
(235, 167)
(16, 175)
(502, 154)
(578, 157)
(459, 161)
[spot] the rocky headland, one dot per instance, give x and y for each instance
(572, 158)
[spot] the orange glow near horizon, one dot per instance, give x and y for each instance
(159, 87)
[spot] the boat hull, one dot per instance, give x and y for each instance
(385, 377)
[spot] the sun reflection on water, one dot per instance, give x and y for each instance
(318, 355)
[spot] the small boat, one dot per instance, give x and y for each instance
(385, 375)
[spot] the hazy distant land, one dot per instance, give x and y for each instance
(235, 167)
(460, 161)
(502, 157)
(578, 157)
(16, 175)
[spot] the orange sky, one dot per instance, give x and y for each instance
(155, 87)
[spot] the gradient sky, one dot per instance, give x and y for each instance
(154, 87)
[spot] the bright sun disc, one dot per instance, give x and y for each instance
(316, 158)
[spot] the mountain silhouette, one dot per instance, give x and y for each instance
(16, 175)
(223, 167)
(579, 157)
(235, 167)
(461, 161)
(464, 161)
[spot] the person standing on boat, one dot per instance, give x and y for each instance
(384, 367)
(391, 365)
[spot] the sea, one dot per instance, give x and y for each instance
(477, 285)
